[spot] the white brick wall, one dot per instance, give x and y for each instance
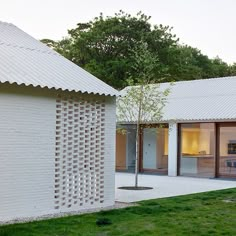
(27, 153)
(110, 135)
(173, 146)
(27, 127)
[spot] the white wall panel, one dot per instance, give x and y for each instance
(27, 137)
(173, 147)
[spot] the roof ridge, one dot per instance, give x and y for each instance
(49, 51)
(202, 96)
(7, 23)
(45, 48)
(186, 81)
(200, 80)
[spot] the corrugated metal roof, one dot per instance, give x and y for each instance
(25, 60)
(201, 100)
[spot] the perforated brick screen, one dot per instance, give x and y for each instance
(79, 156)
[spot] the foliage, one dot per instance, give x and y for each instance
(149, 100)
(196, 214)
(63, 46)
(146, 99)
(104, 47)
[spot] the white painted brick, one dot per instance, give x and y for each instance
(173, 146)
(27, 127)
(27, 153)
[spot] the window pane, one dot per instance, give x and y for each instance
(227, 162)
(197, 150)
(155, 149)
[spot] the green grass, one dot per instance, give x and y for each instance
(212, 213)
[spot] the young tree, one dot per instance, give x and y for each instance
(144, 101)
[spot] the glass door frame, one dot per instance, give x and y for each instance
(143, 126)
(218, 126)
(217, 146)
(179, 143)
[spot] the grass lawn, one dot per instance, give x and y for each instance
(212, 213)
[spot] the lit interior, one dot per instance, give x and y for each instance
(166, 141)
(197, 140)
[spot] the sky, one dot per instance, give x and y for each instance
(209, 25)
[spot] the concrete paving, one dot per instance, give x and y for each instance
(164, 186)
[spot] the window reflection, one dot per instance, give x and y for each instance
(155, 149)
(197, 150)
(227, 161)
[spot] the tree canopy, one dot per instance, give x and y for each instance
(104, 47)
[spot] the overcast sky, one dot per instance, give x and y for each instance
(209, 25)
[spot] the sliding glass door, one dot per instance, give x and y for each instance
(197, 149)
(207, 149)
(227, 149)
(155, 150)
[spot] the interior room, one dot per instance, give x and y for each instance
(197, 149)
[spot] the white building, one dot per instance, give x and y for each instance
(198, 134)
(57, 125)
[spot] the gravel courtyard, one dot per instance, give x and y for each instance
(164, 186)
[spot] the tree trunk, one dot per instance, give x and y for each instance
(137, 156)
(137, 136)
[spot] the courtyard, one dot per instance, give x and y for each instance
(164, 186)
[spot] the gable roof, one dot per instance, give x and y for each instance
(25, 60)
(200, 100)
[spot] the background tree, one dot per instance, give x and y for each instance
(103, 47)
(145, 101)
(233, 69)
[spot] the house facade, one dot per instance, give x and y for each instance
(197, 135)
(57, 142)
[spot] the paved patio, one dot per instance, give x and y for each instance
(164, 186)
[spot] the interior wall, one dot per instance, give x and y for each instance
(131, 147)
(198, 140)
(161, 147)
(121, 140)
(190, 141)
(150, 148)
(198, 152)
(227, 134)
(166, 143)
(226, 160)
